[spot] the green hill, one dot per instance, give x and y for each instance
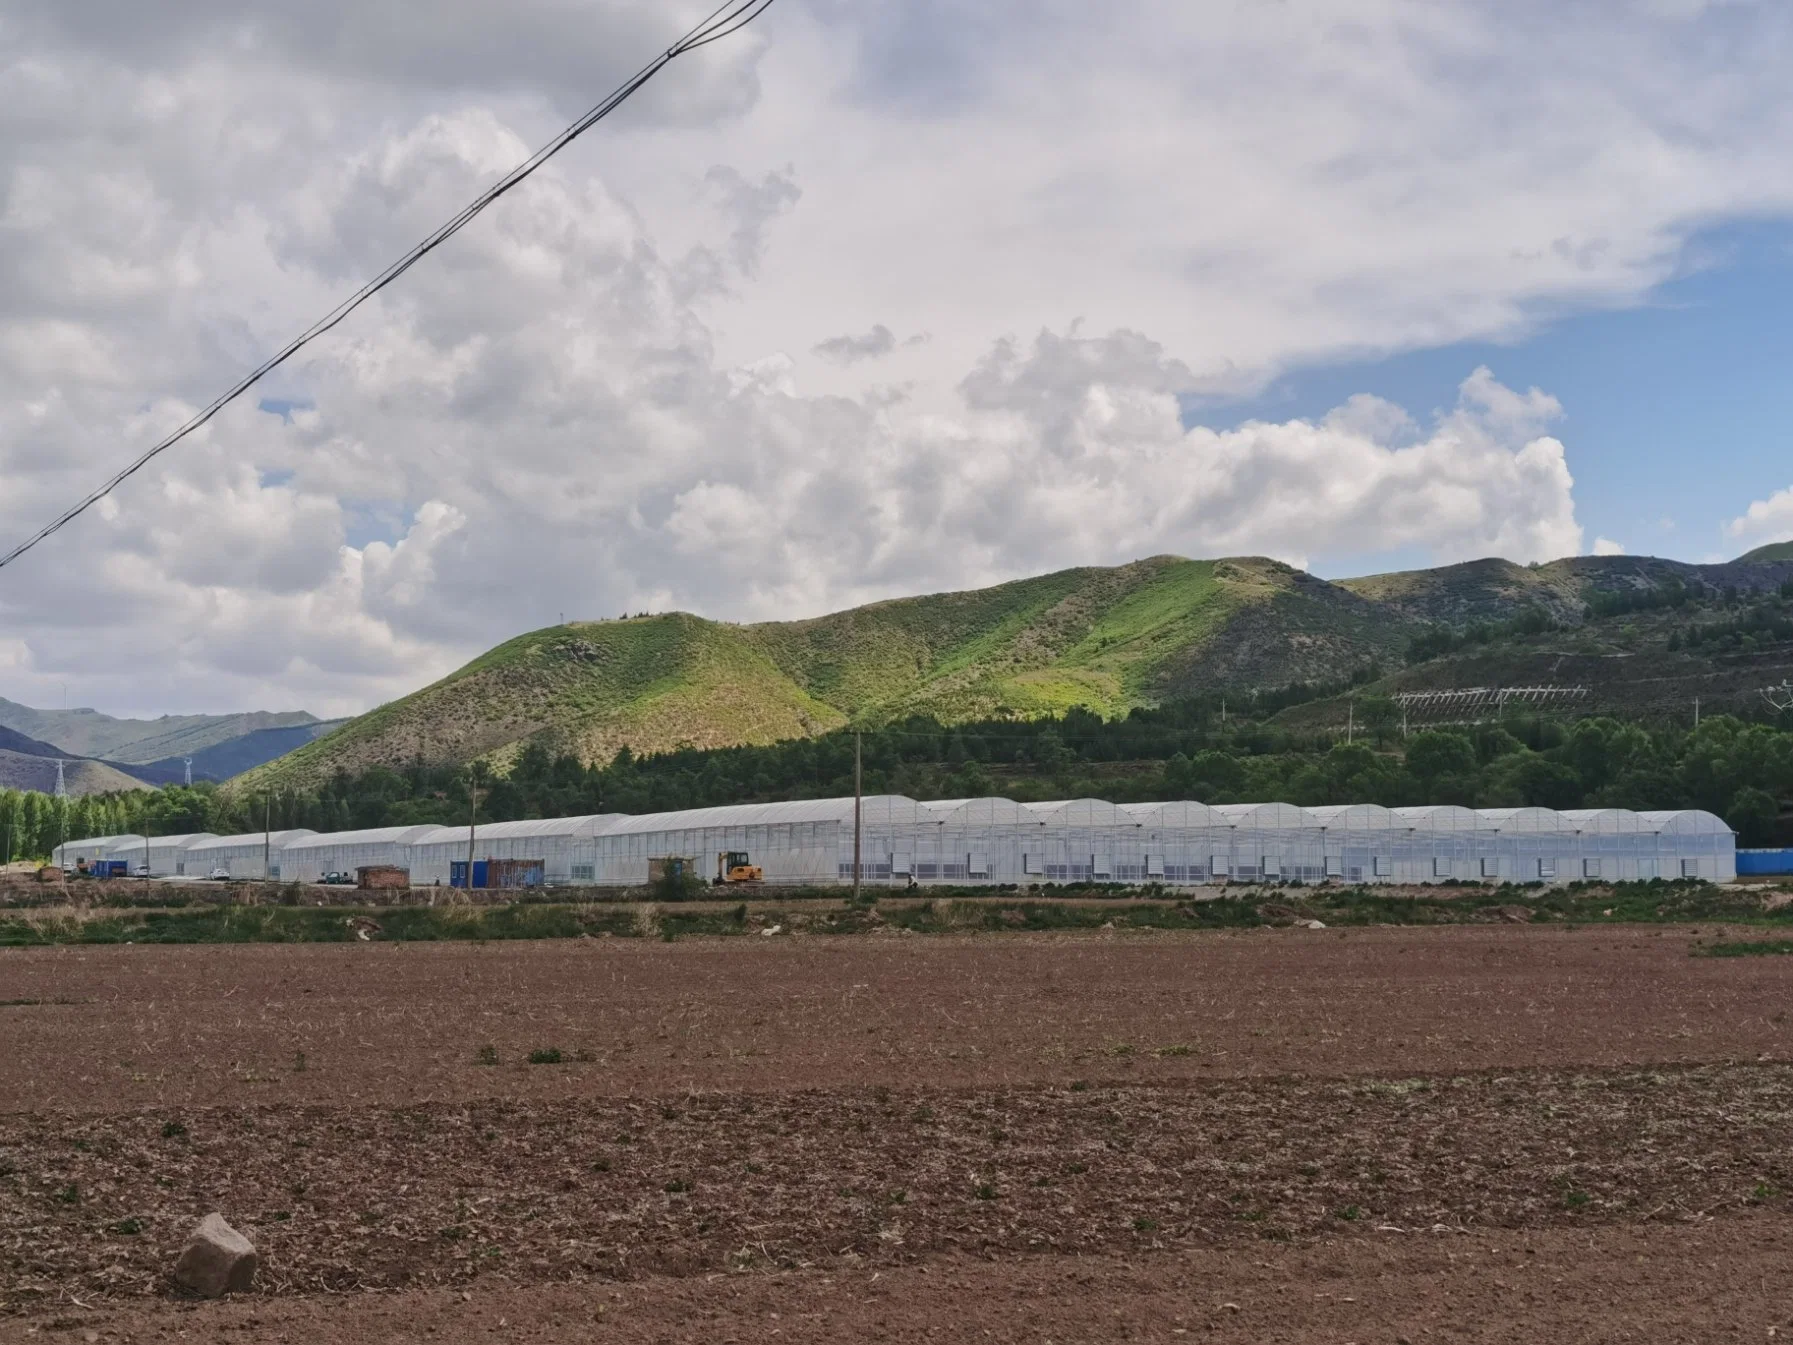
(1773, 551)
(1107, 639)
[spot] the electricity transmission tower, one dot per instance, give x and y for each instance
(1780, 697)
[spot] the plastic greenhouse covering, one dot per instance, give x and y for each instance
(996, 840)
(168, 854)
(565, 847)
(242, 857)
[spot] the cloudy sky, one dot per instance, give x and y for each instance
(875, 299)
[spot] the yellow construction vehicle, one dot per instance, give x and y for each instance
(733, 866)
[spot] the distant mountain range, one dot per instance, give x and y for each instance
(26, 763)
(102, 753)
(1107, 639)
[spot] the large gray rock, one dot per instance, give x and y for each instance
(218, 1259)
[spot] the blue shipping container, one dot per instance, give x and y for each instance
(1761, 862)
(498, 873)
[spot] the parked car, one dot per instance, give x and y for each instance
(335, 879)
(218, 876)
(141, 871)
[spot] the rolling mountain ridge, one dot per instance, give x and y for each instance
(139, 742)
(220, 746)
(1108, 639)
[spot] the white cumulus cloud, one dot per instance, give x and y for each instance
(627, 386)
(1765, 521)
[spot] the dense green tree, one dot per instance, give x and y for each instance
(1179, 750)
(1536, 781)
(1439, 754)
(1753, 814)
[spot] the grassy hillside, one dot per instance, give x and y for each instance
(588, 688)
(1772, 552)
(1108, 639)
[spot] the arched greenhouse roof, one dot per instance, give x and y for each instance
(1266, 816)
(1686, 822)
(1078, 813)
(1543, 821)
(1178, 813)
(278, 840)
(102, 842)
(978, 812)
(1353, 816)
(310, 840)
(1603, 821)
(1438, 817)
(882, 808)
(595, 824)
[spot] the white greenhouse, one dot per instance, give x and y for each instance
(1357, 839)
(242, 857)
(314, 854)
(1270, 842)
(1525, 845)
(74, 854)
(565, 847)
(168, 854)
(1692, 844)
(797, 842)
(1178, 840)
(1438, 842)
(996, 840)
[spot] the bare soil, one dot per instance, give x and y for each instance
(133, 1027)
(1453, 1133)
(1665, 1284)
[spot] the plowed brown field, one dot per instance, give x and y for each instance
(1455, 1133)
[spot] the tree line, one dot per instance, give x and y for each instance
(1214, 750)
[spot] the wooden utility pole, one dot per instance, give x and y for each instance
(267, 837)
(858, 806)
(1350, 721)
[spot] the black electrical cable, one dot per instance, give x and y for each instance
(726, 19)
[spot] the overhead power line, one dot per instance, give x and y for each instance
(728, 18)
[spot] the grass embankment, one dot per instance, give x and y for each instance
(966, 912)
(1749, 948)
